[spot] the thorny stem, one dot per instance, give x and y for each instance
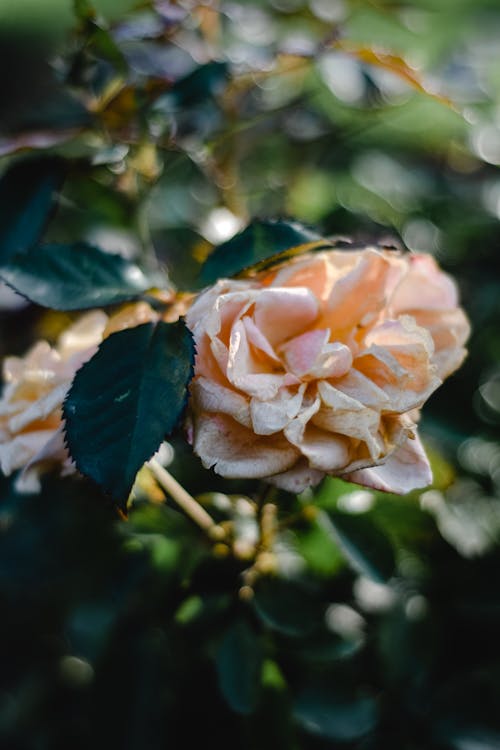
(185, 501)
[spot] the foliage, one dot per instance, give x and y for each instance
(136, 159)
(125, 400)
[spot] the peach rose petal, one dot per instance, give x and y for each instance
(430, 297)
(219, 362)
(398, 359)
(20, 449)
(38, 366)
(210, 396)
(39, 410)
(85, 333)
(405, 470)
(257, 339)
(324, 452)
(238, 453)
(362, 291)
(314, 273)
(327, 453)
(283, 313)
(223, 302)
(363, 390)
(298, 478)
(449, 329)
(269, 417)
(357, 425)
(54, 450)
(311, 354)
(425, 286)
(245, 372)
(346, 416)
(448, 361)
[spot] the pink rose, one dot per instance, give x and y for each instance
(320, 366)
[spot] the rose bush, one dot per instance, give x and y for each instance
(319, 366)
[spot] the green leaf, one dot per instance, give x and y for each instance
(74, 277)
(203, 82)
(27, 191)
(179, 249)
(324, 710)
(260, 241)
(318, 549)
(104, 46)
(287, 606)
(239, 667)
(125, 400)
(364, 546)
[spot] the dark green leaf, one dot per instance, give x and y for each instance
(239, 667)
(259, 241)
(104, 46)
(287, 606)
(179, 248)
(125, 400)
(75, 277)
(27, 192)
(325, 711)
(363, 544)
(206, 81)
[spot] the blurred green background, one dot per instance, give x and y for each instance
(179, 122)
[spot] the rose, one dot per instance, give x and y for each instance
(320, 366)
(35, 388)
(31, 429)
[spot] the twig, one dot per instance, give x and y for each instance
(185, 501)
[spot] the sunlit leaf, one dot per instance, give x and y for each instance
(391, 63)
(125, 400)
(74, 277)
(259, 241)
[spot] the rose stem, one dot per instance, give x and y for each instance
(185, 501)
